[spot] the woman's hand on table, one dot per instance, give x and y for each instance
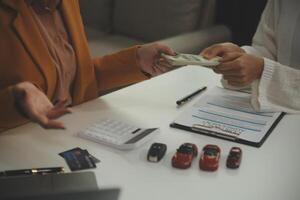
(35, 105)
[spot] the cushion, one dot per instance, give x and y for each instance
(97, 14)
(101, 43)
(150, 20)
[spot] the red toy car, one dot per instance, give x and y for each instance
(184, 156)
(234, 158)
(210, 156)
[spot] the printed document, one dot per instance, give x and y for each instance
(228, 113)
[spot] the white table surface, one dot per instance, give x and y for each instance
(271, 172)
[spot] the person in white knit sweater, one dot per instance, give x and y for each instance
(271, 66)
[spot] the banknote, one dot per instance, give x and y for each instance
(189, 59)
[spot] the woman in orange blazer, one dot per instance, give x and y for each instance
(28, 77)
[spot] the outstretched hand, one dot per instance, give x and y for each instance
(37, 107)
(149, 56)
(237, 67)
(240, 69)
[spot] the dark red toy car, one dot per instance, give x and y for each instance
(234, 158)
(210, 156)
(184, 156)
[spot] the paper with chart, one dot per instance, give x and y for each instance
(228, 113)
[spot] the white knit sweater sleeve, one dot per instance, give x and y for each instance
(264, 35)
(279, 87)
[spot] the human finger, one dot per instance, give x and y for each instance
(231, 72)
(46, 123)
(161, 48)
(230, 56)
(229, 68)
(242, 80)
(213, 51)
(237, 84)
(54, 125)
(236, 78)
(56, 113)
(61, 104)
(157, 70)
(151, 70)
(162, 68)
(164, 63)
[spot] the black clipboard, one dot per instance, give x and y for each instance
(229, 138)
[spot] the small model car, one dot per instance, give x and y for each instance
(234, 158)
(210, 156)
(156, 152)
(184, 156)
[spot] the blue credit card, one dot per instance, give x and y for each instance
(78, 159)
(96, 160)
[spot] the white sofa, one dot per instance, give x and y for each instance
(185, 25)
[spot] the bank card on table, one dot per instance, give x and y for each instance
(79, 159)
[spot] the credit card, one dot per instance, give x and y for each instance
(96, 160)
(78, 159)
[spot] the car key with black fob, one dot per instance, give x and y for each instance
(156, 152)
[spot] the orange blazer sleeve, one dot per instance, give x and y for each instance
(118, 69)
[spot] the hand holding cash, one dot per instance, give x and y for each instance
(189, 59)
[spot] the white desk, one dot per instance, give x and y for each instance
(270, 172)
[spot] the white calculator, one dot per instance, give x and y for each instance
(117, 134)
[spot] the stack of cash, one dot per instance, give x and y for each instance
(189, 59)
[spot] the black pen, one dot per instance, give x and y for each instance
(37, 171)
(190, 96)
